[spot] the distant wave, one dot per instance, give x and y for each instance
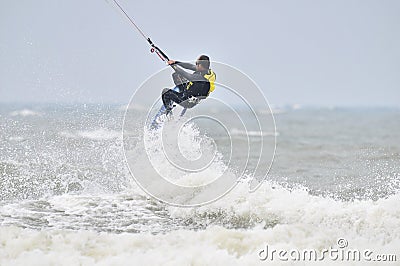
(16, 138)
(24, 113)
(250, 133)
(97, 134)
(275, 111)
(132, 107)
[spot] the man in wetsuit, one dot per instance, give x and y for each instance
(194, 86)
(190, 87)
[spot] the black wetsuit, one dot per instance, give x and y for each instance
(198, 89)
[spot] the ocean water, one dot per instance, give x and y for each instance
(66, 191)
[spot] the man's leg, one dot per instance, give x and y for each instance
(168, 100)
(170, 97)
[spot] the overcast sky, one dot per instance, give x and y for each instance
(330, 53)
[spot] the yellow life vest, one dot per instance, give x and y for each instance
(210, 77)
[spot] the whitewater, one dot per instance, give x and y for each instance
(67, 196)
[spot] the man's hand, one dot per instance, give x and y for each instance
(171, 62)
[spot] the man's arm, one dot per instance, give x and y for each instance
(186, 65)
(186, 75)
(183, 73)
(182, 64)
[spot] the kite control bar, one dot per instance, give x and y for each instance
(158, 51)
